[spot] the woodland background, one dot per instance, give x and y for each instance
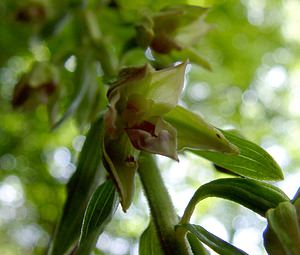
(253, 49)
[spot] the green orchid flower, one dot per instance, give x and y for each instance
(143, 116)
(36, 87)
(173, 28)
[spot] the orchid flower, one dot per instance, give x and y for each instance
(175, 28)
(143, 116)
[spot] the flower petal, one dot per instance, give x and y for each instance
(158, 138)
(166, 88)
(195, 133)
(137, 85)
(120, 159)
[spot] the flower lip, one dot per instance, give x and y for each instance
(145, 126)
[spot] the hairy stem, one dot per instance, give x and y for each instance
(161, 206)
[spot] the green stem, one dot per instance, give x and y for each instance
(161, 206)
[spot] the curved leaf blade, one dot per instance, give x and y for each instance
(99, 212)
(217, 244)
(79, 188)
(252, 161)
(149, 243)
(256, 195)
(196, 246)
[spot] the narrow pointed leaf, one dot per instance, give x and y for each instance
(80, 188)
(84, 78)
(99, 212)
(283, 232)
(252, 161)
(196, 246)
(195, 133)
(255, 195)
(217, 244)
(149, 243)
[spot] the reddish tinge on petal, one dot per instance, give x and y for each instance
(158, 138)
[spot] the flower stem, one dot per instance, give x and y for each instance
(161, 206)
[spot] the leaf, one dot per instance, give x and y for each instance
(79, 189)
(217, 244)
(99, 212)
(283, 232)
(255, 195)
(85, 85)
(252, 161)
(195, 133)
(196, 246)
(149, 243)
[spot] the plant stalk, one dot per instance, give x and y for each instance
(162, 210)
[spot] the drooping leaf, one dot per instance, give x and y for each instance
(217, 244)
(252, 161)
(149, 243)
(282, 235)
(196, 246)
(99, 212)
(195, 133)
(255, 195)
(79, 189)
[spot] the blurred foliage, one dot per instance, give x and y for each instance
(252, 48)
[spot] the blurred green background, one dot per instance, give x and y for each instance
(253, 48)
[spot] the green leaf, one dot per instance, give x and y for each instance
(283, 231)
(252, 161)
(196, 246)
(99, 212)
(80, 188)
(255, 195)
(217, 244)
(86, 88)
(195, 133)
(149, 243)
